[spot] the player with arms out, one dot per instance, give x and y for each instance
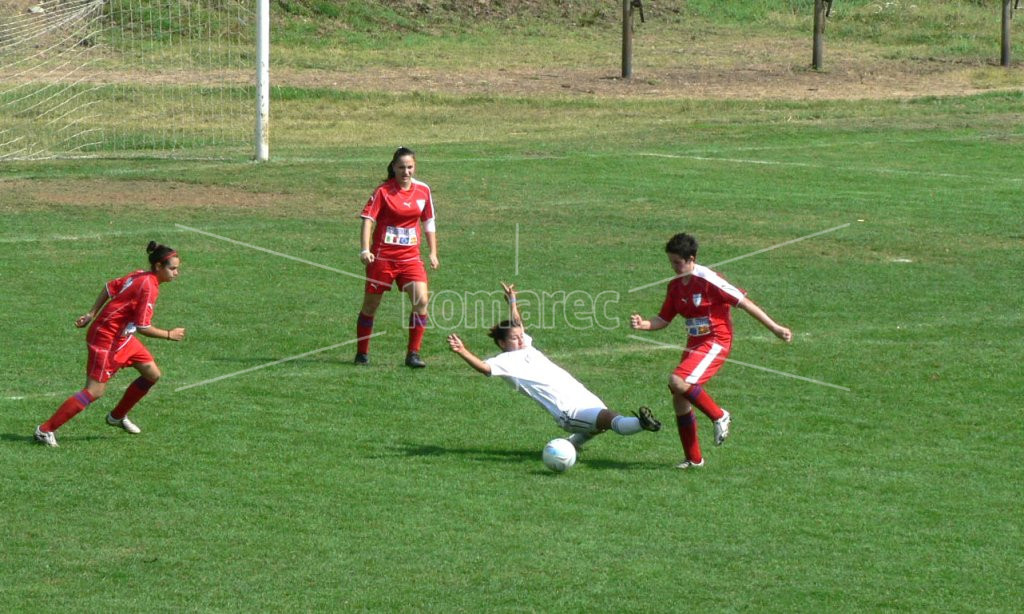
(392, 218)
(574, 408)
(704, 299)
(123, 309)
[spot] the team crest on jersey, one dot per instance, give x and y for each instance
(696, 300)
(421, 203)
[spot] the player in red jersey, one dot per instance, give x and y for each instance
(392, 219)
(123, 309)
(705, 300)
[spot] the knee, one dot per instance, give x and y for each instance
(678, 385)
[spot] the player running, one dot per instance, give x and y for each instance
(705, 300)
(574, 408)
(392, 217)
(124, 308)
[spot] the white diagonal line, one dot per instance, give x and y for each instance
(279, 254)
(783, 244)
(743, 364)
(760, 251)
(276, 362)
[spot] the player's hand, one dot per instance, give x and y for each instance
(176, 334)
(83, 320)
(783, 333)
(434, 262)
(455, 343)
(367, 258)
(636, 321)
(510, 290)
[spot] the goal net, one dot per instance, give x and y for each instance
(113, 78)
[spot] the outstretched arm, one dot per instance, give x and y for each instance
(471, 359)
(513, 307)
(779, 331)
(101, 300)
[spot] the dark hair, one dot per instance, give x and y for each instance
(682, 245)
(501, 332)
(159, 254)
(400, 152)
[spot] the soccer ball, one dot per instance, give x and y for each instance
(559, 455)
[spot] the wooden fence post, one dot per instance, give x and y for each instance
(1004, 57)
(820, 11)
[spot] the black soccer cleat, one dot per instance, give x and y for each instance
(412, 359)
(362, 359)
(647, 420)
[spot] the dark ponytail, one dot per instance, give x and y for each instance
(400, 152)
(159, 254)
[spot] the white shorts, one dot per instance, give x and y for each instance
(580, 420)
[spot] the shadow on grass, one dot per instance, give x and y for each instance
(495, 455)
(30, 438)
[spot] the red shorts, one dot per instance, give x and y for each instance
(701, 361)
(380, 274)
(105, 362)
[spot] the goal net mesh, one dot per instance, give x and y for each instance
(113, 78)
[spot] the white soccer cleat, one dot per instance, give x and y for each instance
(124, 423)
(689, 464)
(722, 428)
(46, 437)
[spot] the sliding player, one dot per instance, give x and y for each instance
(704, 299)
(574, 408)
(123, 309)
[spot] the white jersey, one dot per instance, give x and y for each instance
(533, 374)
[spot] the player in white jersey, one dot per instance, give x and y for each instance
(575, 409)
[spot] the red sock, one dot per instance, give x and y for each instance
(704, 402)
(67, 410)
(136, 390)
(417, 326)
(364, 328)
(687, 426)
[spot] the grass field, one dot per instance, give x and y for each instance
(312, 484)
(874, 463)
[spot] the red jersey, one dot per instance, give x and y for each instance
(130, 307)
(398, 214)
(705, 300)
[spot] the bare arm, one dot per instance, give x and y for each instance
(471, 359)
(174, 334)
(365, 232)
(779, 331)
(101, 300)
(432, 244)
(513, 306)
(637, 322)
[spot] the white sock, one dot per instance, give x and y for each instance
(626, 425)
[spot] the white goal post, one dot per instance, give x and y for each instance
(118, 78)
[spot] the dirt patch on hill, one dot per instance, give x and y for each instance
(754, 82)
(142, 194)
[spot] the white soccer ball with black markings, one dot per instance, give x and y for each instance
(559, 455)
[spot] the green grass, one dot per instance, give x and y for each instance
(315, 485)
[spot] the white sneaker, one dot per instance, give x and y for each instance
(722, 428)
(124, 423)
(689, 464)
(46, 437)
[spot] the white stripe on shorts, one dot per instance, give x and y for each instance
(709, 358)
